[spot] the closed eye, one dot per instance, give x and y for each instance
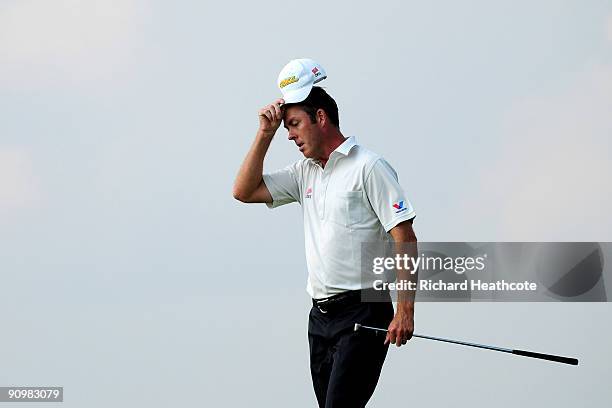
(291, 124)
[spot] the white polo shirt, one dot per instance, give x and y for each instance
(356, 198)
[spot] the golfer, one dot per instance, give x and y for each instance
(348, 195)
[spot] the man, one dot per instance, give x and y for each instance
(349, 195)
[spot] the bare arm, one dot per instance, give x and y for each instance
(249, 186)
(402, 325)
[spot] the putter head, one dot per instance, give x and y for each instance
(357, 327)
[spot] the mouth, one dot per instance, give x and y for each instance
(300, 146)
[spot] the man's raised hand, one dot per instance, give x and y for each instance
(270, 117)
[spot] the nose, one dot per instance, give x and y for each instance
(292, 136)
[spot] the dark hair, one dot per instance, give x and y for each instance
(319, 99)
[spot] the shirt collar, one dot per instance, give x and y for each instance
(344, 149)
(346, 146)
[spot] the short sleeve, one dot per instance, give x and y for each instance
(388, 199)
(284, 185)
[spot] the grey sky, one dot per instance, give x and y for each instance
(131, 277)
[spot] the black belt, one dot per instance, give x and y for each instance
(346, 299)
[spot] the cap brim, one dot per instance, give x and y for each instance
(297, 95)
(321, 78)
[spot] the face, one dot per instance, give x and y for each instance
(306, 135)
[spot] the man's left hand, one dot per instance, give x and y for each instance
(401, 327)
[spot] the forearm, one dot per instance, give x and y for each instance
(405, 297)
(402, 326)
(250, 174)
(406, 247)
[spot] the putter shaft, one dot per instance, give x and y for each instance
(549, 357)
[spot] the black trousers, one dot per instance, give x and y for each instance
(345, 365)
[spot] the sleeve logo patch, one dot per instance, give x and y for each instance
(399, 207)
(309, 192)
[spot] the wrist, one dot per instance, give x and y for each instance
(265, 134)
(405, 307)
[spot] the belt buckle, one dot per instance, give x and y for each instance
(318, 303)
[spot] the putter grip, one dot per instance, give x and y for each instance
(549, 357)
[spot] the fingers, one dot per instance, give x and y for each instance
(262, 112)
(398, 336)
(275, 108)
(405, 337)
(391, 337)
(409, 335)
(272, 112)
(277, 111)
(266, 112)
(270, 117)
(401, 339)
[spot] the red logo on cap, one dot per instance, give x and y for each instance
(315, 70)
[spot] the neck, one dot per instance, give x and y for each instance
(332, 141)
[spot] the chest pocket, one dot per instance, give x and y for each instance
(345, 207)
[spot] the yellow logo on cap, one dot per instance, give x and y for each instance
(288, 81)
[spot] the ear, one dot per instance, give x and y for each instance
(321, 117)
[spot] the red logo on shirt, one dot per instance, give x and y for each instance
(309, 192)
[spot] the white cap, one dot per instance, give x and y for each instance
(297, 78)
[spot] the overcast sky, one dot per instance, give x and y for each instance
(130, 276)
